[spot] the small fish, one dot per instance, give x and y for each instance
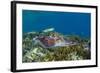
(48, 30)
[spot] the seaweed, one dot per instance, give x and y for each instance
(34, 52)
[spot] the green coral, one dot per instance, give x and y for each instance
(36, 53)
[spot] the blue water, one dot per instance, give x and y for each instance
(63, 22)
